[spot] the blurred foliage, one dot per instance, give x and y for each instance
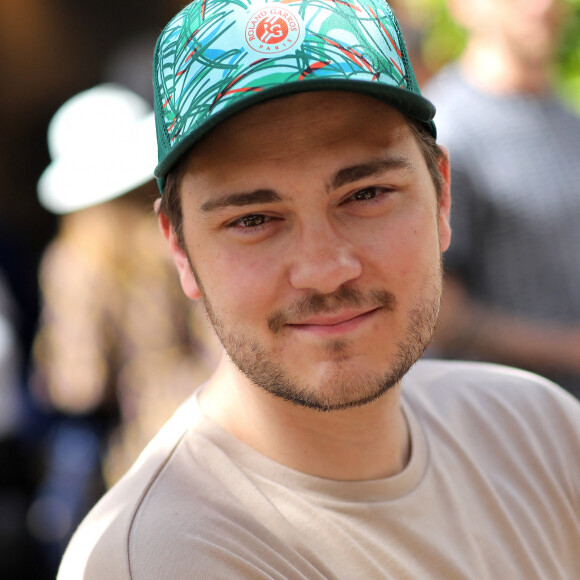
(444, 40)
(568, 71)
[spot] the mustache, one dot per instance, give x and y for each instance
(316, 303)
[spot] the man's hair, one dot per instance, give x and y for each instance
(432, 153)
(171, 200)
(170, 204)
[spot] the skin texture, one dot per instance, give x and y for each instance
(314, 238)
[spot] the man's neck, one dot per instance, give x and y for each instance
(496, 70)
(358, 444)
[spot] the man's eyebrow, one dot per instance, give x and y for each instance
(240, 199)
(374, 167)
(342, 177)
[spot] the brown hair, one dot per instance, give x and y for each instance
(432, 153)
(170, 205)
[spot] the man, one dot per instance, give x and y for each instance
(306, 205)
(514, 263)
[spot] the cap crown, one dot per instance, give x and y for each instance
(217, 57)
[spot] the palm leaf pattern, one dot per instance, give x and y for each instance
(203, 63)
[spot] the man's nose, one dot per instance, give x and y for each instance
(323, 260)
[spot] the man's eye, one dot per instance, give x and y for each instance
(251, 221)
(365, 194)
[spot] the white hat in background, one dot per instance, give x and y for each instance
(102, 144)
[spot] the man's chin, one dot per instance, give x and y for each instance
(334, 392)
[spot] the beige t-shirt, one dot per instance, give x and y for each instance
(492, 490)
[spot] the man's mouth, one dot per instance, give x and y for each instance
(348, 306)
(333, 323)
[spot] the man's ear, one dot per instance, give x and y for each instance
(445, 200)
(186, 277)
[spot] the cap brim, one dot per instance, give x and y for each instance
(409, 103)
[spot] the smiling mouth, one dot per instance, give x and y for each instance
(323, 313)
(334, 324)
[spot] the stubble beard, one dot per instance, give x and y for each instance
(338, 389)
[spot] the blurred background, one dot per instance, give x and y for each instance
(49, 51)
(443, 40)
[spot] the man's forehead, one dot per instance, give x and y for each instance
(281, 122)
(222, 175)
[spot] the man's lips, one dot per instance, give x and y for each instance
(320, 311)
(334, 323)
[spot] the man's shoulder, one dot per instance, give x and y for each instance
(186, 508)
(473, 397)
(481, 379)
(100, 546)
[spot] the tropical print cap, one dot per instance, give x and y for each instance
(216, 58)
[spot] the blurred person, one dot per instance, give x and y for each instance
(513, 269)
(306, 205)
(118, 346)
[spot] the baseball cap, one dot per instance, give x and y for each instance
(102, 145)
(216, 58)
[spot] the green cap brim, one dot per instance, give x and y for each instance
(410, 104)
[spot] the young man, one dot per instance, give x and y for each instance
(307, 206)
(514, 265)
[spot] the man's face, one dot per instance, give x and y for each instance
(314, 234)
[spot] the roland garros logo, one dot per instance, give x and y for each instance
(273, 29)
